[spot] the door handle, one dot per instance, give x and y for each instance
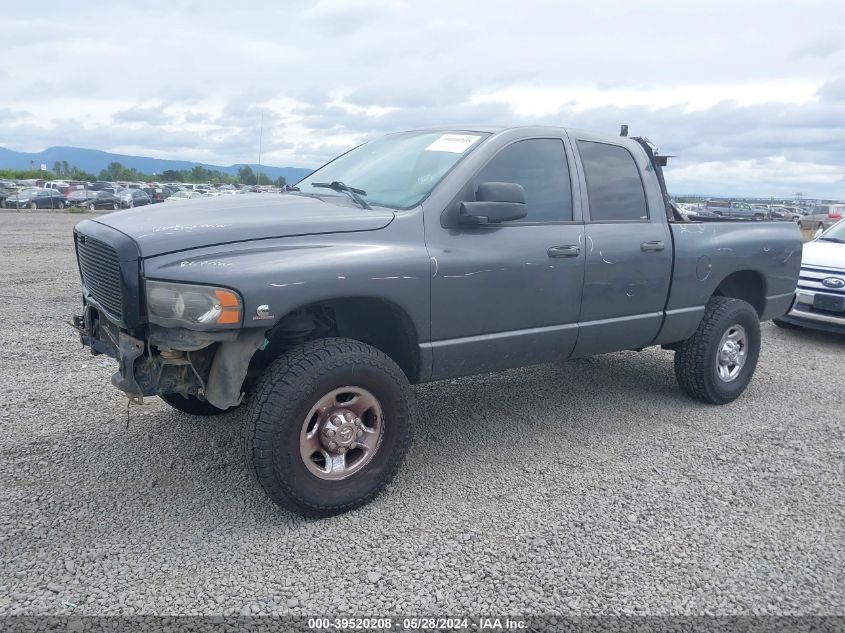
(571, 250)
(649, 247)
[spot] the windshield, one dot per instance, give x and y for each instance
(395, 171)
(835, 233)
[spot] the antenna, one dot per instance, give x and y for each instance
(624, 130)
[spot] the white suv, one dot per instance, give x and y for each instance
(820, 295)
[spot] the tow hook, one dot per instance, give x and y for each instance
(78, 324)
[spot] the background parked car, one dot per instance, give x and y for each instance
(734, 209)
(130, 198)
(7, 188)
(820, 295)
(183, 194)
(80, 197)
(92, 200)
(797, 213)
(157, 194)
(36, 198)
(102, 184)
(58, 185)
(822, 216)
(781, 212)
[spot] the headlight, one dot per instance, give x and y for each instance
(193, 307)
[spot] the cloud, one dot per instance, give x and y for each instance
(743, 108)
(822, 45)
(342, 17)
(833, 91)
(137, 114)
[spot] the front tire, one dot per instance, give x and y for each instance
(327, 426)
(717, 362)
(193, 405)
(91, 206)
(33, 206)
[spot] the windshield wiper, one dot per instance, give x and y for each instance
(354, 193)
(832, 239)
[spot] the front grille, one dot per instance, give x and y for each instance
(812, 278)
(100, 268)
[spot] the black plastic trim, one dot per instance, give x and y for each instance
(129, 257)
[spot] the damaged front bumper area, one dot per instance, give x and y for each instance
(211, 366)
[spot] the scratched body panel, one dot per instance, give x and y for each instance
(708, 252)
(286, 273)
(480, 297)
(498, 299)
(163, 228)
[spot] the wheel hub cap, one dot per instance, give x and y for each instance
(342, 433)
(340, 430)
(733, 351)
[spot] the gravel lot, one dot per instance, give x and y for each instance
(588, 487)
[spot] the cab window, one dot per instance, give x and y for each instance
(540, 166)
(614, 186)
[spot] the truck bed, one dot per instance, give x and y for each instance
(727, 254)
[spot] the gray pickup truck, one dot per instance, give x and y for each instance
(421, 256)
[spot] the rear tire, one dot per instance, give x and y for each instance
(193, 405)
(288, 437)
(717, 362)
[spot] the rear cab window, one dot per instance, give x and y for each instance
(614, 185)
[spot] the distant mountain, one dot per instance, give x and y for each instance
(93, 160)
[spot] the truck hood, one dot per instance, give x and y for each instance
(823, 254)
(177, 226)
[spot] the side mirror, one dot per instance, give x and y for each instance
(494, 202)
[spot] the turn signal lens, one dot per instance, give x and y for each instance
(230, 313)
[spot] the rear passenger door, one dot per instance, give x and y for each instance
(628, 249)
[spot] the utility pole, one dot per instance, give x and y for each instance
(260, 135)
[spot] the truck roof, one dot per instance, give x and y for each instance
(532, 129)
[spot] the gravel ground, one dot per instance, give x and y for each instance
(588, 487)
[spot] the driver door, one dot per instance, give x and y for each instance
(509, 294)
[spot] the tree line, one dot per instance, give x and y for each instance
(116, 171)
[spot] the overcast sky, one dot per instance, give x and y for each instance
(751, 95)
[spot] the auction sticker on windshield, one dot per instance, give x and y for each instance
(455, 143)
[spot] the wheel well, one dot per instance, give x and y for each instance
(379, 323)
(748, 285)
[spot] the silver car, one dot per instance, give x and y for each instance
(822, 216)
